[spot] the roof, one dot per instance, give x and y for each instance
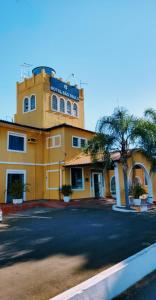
(45, 129)
(85, 159)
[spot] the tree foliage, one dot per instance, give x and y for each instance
(122, 132)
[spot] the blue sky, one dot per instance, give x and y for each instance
(110, 44)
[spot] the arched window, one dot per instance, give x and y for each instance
(26, 104)
(54, 103)
(32, 102)
(113, 185)
(137, 180)
(68, 107)
(75, 110)
(62, 105)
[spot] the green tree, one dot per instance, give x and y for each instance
(150, 114)
(145, 136)
(114, 133)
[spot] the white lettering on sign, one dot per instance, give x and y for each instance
(54, 89)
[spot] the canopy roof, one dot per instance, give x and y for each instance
(86, 159)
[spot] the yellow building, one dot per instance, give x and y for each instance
(43, 147)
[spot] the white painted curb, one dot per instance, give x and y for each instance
(115, 280)
(122, 209)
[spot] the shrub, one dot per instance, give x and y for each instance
(66, 189)
(136, 191)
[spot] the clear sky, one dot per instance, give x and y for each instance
(110, 44)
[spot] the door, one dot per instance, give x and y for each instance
(97, 185)
(11, 179)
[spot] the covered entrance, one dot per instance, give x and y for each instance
(13, 179)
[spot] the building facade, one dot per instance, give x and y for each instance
(43, 147)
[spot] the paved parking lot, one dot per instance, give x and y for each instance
(45, 251)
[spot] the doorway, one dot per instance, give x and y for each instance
(13, 176)
(97, 185)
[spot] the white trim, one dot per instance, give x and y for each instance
(148, 177)
(74, 103)
(52, 137)
(58, 103)
(12, 171)
(83, 183)
(79, 141)
(20, 135)
(122, 208)
(68, 101)
(117, 184)
(30, 103)
(30, 164)
(26, 97)
(47, 185)
(113, 194)
(101, 187)
(72, 141)
(65, 106)
(62, 112)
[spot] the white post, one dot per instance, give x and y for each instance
(117, 184)
(1, 215)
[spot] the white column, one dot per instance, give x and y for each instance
(117, 184)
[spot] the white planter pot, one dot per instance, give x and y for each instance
(143, 207)
(66, 198)
(17, 201)
(137, 202)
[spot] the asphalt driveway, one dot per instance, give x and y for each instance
(45, 251)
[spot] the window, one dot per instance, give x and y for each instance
(54, 103)
(78, 142)
(26, 104)
(62, 105)
(52, 179)
(68, 107)
(113, 185)
(16, 142)
(82, 142)
(137, 180)
(75, 142)
(29, 104)
(32, 102)
(75, 110)
(76, 178)
(54, 141)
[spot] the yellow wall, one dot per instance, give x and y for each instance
(43, 116)
(71, 152)
(38, 161)
(45, 166)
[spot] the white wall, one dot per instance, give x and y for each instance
(113, 281)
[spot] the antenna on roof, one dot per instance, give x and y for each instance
(72, 77)
(83, 83)
(25, 71)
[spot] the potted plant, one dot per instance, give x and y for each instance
(136, 191)
(16, 191)
(66, 191)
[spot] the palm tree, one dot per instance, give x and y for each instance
(114, 133)
(150, 114)
(145, 135)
